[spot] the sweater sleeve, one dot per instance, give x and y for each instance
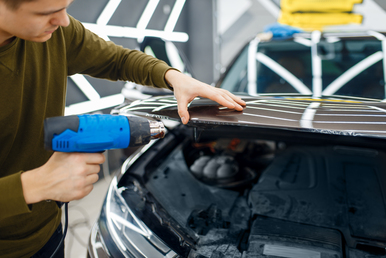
(89, 54)
(13, 203)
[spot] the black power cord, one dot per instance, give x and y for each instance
(65, 229)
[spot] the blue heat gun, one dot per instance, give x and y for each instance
(97, 133)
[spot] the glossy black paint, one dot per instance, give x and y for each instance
(328, 115)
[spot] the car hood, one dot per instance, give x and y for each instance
(327, 115)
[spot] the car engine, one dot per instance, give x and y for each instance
(247, 198)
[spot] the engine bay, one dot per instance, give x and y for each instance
(249, 198)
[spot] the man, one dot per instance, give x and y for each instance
(40, 45)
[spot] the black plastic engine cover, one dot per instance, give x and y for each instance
(332, 187)
(278, 238)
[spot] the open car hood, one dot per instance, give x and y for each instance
(327, 115)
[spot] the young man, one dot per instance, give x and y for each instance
(40, 45)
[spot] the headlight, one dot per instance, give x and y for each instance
(130, 234)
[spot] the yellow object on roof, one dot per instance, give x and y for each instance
(317, 21)
(318, 5)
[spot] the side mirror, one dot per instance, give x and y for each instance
(166, 51)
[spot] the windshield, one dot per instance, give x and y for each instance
(332, 66)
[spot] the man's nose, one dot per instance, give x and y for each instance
(61, 19)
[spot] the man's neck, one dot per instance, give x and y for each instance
(6, 41)
(5, 38)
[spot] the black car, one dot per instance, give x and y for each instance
(300, 172)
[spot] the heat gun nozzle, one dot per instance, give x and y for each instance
(157, 129)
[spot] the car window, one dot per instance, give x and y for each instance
(348, 67)
(360, 58)
(294, 58)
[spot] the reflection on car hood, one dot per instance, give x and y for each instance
(333, 115)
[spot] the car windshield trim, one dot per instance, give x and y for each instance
(316, 61)
(352, 72)
(252, 71)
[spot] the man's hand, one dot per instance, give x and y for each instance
(65, 177)
(186, 89)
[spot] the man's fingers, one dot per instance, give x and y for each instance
(92, 179)
(183, 111)
(232, 104)
(91, 169)
(222, 97)
(77, 157)
(225, 100)
(82, 193)
(187, 88)
(238, 102)
(95, 158)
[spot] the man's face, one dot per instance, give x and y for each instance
(34, 21)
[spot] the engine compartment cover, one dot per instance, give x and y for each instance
(334, 187)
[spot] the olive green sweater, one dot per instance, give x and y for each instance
(33, 87)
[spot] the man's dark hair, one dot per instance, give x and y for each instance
(14, 4)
